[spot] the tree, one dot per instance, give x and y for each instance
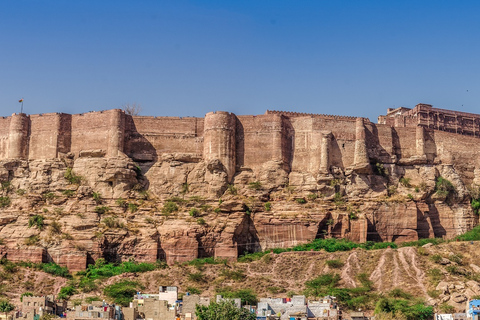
(6, 306)
(132, 109)
(223, 310)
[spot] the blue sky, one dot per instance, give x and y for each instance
(186, 58)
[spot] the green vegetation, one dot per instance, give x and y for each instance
(122, 292)
(410, 309)
(221, 311)
(36, 221)
(200, 262)
(194, 212)
(267, 206)
(101, 269)
(132, 207)
(66, 292)
(201, 221)
(256, 185)
(55, 227)
(72, 177)
(6, 306)
(6, 186)
(301, 200)
(329, 245)
(97, 197)
(25, 294)
(338, 199)
(472, 235)
(405, 182)
(4, 201)
(68, 193)
(32, 240)
(48, 196)
(380, 170)
(237, 275)
(169, 207)
(443, 187)
(102, 209)
(336, 264)
(121, 203)
(232, 190)
(21, 192)
(246, 295)
(113, 223)
(312, 196)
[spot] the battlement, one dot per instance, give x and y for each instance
(302, 114)
(303, 142)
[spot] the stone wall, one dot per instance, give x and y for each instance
(305, 143)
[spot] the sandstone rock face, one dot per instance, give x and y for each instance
(118, 211)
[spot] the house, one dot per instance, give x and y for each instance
(297, 308)
(98, 310)
(358, 316)
(33, 305)
(190, 301)
(473, 309)
(150, 308)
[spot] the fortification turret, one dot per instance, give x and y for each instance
(219, 139)
(17, 136)
(361, 161)
(116, 133)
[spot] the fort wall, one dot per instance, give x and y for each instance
(300, 142)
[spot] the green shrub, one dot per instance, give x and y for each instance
(232, 190)
(409, 196)
(55, 227)
(405, 182)
(267, 206)
(256, 185)
(132, 207)
(312, 196)
(338, 199)
(194, 212)
(275, 290)
(435, 275)
(36, 221)
(68, 193)
(48, 196)
(336, 264)
(21, 192)
(102, 209)
(201, 221)
(223, 310)
(32, 240)
(202, 261)
(91, 299)
(436, 258)
(380, 170)
(97, 197)
(169, 207)
(471, 235)
(237, 275)
(4, 201)
(444, 187)
(66, 292)
(122, 292)
(111, 222)
(71, 177)
(121, 203)
(301, 200)
(101, 269)
(55, 269)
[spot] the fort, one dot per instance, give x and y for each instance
(300, 142)
(324, 156)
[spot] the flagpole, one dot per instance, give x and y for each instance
(21, 110)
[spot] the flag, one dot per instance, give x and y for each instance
(21, 100)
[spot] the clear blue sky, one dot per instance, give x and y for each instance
(186, 58)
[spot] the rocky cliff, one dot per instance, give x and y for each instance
(77, 209)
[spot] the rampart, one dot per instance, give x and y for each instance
(299, 142)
